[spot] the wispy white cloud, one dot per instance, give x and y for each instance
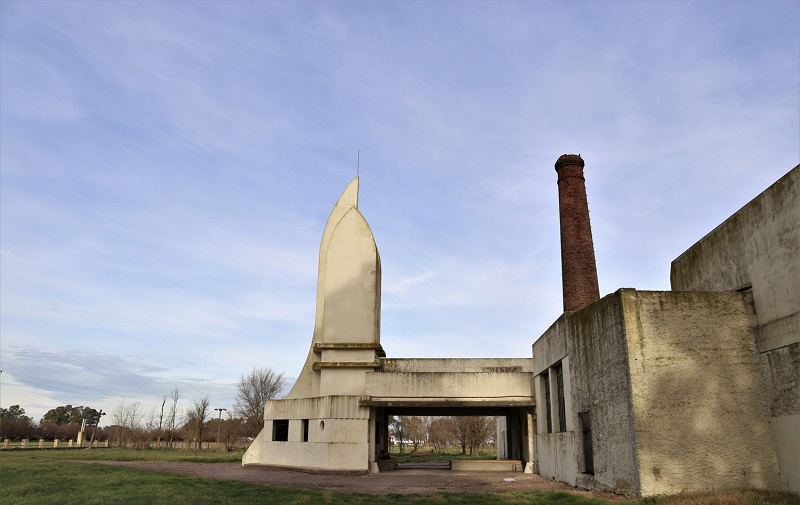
(167, 169)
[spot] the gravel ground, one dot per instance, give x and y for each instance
(412, 481)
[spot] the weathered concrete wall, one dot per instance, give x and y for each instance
(338, 435)
(455, 365)
(348, 303)
(600, 385)
(342, 381)
(307, 383)
(557, 454)
(352, 287)
(758, 246)
(782, 370)
(699, 398)
(592, 344)
(673, 387)
(444, 385)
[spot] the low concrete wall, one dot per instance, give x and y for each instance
(557, 456)
(486, 465)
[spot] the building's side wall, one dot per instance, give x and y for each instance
(758, 247)
(601, 387)
(699, 399)
(555, 450)
(590, 346)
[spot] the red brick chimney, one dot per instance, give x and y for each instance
(578, 268)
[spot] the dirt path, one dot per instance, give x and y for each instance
(396, 482)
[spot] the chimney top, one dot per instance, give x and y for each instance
(569, 159)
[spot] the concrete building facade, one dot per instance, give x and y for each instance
(647, 392)
(336, 416)
(638, 392)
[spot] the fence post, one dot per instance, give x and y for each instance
(6, 442)
(41, 443)
(55, 443)
(70, 442)
(24, 443)
(106, 443)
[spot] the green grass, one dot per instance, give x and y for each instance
(48, 477)
(42, 482)
(124, 454)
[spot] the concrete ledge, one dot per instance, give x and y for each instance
(306, 469)
(324, 346)
(486, 465)
(447, 402)
(346, 364)
(387, 465)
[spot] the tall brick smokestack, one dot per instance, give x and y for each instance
(578, 268)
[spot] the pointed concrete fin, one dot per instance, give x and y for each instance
(352, 284)
(348, 200)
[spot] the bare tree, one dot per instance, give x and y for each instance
(397, 430)
(254, 390)
(127, 422)
(200, 411)
(155, 422)
(233, 433)
(173, 417)
(416, 430)
(440, 432)
(473, 431)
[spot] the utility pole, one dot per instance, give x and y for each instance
(1, 401)
(219, 423)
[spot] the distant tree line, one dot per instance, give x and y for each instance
(170, 423)
(469, 433)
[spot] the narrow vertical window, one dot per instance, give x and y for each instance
(562, 404)
(548, 408)
(588, 453)
(305, 430)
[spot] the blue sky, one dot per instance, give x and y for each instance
(167, 169)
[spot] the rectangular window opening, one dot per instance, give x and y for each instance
(305, 430)
(562, 405)
(548, 408)
(280, 430)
